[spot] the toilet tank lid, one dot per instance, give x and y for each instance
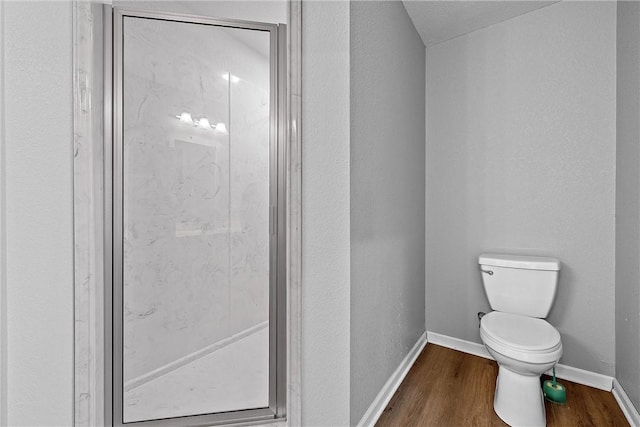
(520, 261)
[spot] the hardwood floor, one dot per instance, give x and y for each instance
(449, 388)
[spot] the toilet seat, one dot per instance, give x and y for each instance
(523, 338)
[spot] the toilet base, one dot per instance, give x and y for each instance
(518, 400)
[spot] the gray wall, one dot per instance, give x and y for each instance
(628, 201)
(36, 140)
(387, 195)
(521, 159)
(325, 214)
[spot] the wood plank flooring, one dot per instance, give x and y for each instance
(449, 388)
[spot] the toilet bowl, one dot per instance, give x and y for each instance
(524, 348)
(521, 291)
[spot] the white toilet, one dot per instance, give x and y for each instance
(521, 291)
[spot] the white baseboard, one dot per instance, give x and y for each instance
(580, 376)
(569, 373)
(628, 409)
(388, 390)
(458, 344)
(178, 363)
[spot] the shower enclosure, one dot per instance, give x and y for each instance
(197, 300)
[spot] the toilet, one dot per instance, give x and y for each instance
(521, 291)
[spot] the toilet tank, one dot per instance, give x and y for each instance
(517, 284)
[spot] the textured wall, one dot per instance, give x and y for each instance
(628, 201)
(325, 214)
(521, 158)
(39, 235)
(3, 245)
(387, 195)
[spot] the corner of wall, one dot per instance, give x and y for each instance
(627, 246)
(426, 203)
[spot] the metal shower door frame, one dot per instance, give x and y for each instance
(114, 391)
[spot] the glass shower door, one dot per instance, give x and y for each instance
(195, 219)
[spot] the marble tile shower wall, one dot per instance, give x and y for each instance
(195, 200)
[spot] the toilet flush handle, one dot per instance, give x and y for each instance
(489, 272)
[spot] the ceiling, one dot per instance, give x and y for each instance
(437, 21)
